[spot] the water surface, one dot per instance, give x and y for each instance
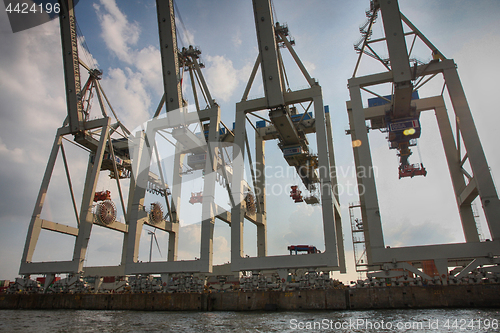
(428, 320)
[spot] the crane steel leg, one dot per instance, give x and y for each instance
(86, 215)
(482, 175)
(260, 196)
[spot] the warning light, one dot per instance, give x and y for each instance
(409, 131)
(356, 143)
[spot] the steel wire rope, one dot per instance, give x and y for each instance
(419, 154)
(83, 42)
(176, 8)
(274, 11)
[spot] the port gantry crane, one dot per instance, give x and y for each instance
(289, 128)
(130, 156)
(398, 115)
(106, 142)
(202, 152)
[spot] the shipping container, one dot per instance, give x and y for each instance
(377, 101)
(42, 280)
(89, 279)
(108, 279)
(429, 268)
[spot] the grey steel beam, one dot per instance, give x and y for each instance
(441, 251)
(457, 178)
(47, 267)
(208, 204)
(184, 266)
(284, 262)
(477, 159)
(238, 210)
(136, 213)
(135, 147)
(251, 79)
(370, 210)
(175, 201)
(57, 227)
(268, 50)
(326, 186)
(336, 199)
(396, 43)
(422, 37)
(399, 60)
(104, 271)
(260, 196)
(424, 104)
(469, 193)
(169, 54)
(71, 65)
(385, 77)
(86, 215)
(117, 226)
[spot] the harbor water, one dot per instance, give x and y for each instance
(408, 320)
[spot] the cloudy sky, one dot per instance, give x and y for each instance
(123, 40)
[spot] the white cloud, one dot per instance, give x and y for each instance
(148, 62)
(222, 250)
(305, 227)
(427, 233)
(189, 242)
(223, 78)
(33, 107)
(131, 88)
(15, 155)
(118, 33)
(236, 39)
(128, 94)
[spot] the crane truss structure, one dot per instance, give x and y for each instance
(467, 187)
(271, 36)
(203, 151)
(106, 142)
(130, 156)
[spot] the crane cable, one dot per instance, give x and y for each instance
(89, 59)
(419, 154)
(178, 15)
(274, 12)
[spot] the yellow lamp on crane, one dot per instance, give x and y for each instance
(409, 131)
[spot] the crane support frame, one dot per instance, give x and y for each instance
(177, 118)
(277, 100)
(85, 217)
(480, 185)
(143, 153)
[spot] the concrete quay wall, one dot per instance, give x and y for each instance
(485, 295)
